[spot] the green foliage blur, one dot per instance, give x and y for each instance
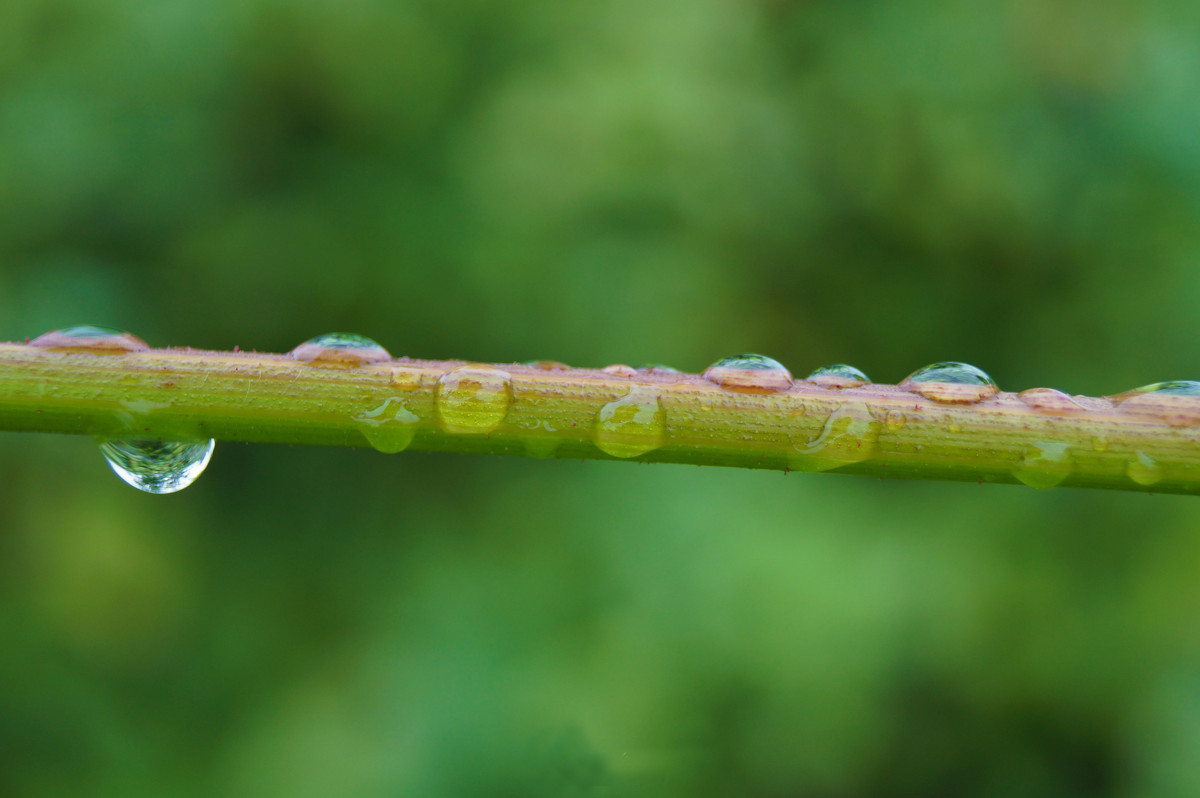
(1014, 184)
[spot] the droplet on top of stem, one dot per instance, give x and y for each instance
(89, 338)
(340, 350)
(839, 375)
(951, 383)
(749, 373)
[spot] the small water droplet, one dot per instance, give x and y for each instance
(89, 338)
(850, 435)
(473, 398)
(1173, 402)
(895, 420)
(620, 370)
(389, 428)
(839, 375)
(1049, 400)
(157, 466)
(340, 350)
(1100, 443)
(658, 368)
(749, 373)
(632, 425)
(547, 365)
(1144, 469)
(1044, 465)
(951, 383)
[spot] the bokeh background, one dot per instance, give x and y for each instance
(1011, 183)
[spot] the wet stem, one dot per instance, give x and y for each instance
(939, 424)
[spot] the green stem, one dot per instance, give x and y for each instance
(1041, 438)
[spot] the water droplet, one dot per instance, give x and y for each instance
(1100, 443)
(474, 398)
(951, 383)
(749, 373)
(849, 435)
(1173, 402)
(632, 425)
(895, 420)
(340, 350)
(157, 466)
(1044, 465)
(1049, 400)
(89, 338)
(620, 370)
(839, 375)
(658, 368)
(547, 365)
(389, 428)
(1144, 469)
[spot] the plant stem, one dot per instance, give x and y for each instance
(1042, 438)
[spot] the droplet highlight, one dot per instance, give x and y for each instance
(157, 466)
(951, 383)
(849, 435)
(839, 375)
(473, 398)
(390, 427)
(749, 373)
(632, 425)
(90, 338)
(1044, 465)
(340, 350)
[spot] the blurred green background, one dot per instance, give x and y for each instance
(1014, 184)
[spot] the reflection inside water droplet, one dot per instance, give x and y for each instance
(90, 338)
(951, 383)
(473, 398)
(749, 373)
(157, 466)
(340, 350)
(1173, 402)
(632, 425)
(1044, 465)
(1144, 469)
(390, 427)
(849, 435)
(839, 375)
(1049, 400)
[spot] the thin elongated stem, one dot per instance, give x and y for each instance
(1042, 438)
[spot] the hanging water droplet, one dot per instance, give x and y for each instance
(632, 425)
(1144, 469)
(389, 428)
(1044, 465)
(1173, 402)
(157, 466)
(850, 435)
(473, 398)
(1049, 400)
(951, 383)
(620, 370)
(89, 338)
(749, 373)
(839, 375)
(340, 350)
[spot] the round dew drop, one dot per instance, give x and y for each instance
(89, 338)
(340, 350)
(620, 370)
(157, 466)
(473, 399)
(632, 425)
(749, 373)
(1044, 465)
(1144, 469)
(389, 428)
(839, 375)
(1049, 400)
(951, 383)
